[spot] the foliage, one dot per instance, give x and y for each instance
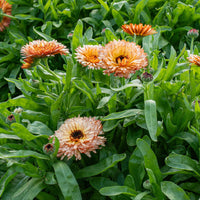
(152, 128)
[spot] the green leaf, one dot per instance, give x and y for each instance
(81, 85)
(117, 17)
(50, 178)
(183, 162)
(35, 116)
(155, 186)
(29, 190)
(100, 167)
(22, 132)
(110, 36)
(66, 181)
(133, 83)
(27, 17)
(140, 6)
(150, 160)
(77, 39)
(6, 178)
(12, 137)
(191, 139)
(23, 154)
(122, 114)
(24, 103)
(173, 191)
(43, 35)
(39, 128)
(136, 165)
(117, 190)
(100, 182)
(151, 118)
(104, 4)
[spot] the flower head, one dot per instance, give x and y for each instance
(195, 59)
(79, 135)
(122, 58)
(6, 8)
(41, 49)
(138, 29)
(193, 33)
(88, 55)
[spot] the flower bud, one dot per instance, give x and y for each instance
(193, 33)
(146, 77)
(147, 184)
(10, 119)
(34, 83)
(48, 148)
(70, 35)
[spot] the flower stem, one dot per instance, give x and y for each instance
(192, 45)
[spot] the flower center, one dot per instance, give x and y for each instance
(77, 134)
(121, 60)
(93, 59)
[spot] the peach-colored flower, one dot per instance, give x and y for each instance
(79, 135)
(122, 58)
(138, 29)
(41, 49)
(195, 59)
(88, 55)
(6, 8)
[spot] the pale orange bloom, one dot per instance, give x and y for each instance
(195, 59)
(6, 8)
(79, 135)
(41, 49)
(138, 29)
(88, 55)
(122, 58)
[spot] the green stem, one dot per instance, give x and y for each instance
(192, 45)
(46, 67)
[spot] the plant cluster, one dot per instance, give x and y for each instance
(98, 104)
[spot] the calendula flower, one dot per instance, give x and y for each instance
(79, 135)
(41, 49)
(6, 9)
(122, 58)
(88, 55)
(138, 29)
(195, 59)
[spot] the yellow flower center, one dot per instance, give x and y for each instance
(121, 60)
(93, 59)
(76, 135)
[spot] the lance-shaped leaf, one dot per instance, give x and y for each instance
(66, 181)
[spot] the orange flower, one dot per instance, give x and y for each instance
(28, 62)
(88, 55)
(122, 58)
(41, 49)
(79, 135)
(138, 29)
(6, 8)
(195, 59)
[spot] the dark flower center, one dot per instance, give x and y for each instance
(77, 134)
(121, 60)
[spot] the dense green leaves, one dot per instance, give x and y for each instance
(100, 167)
